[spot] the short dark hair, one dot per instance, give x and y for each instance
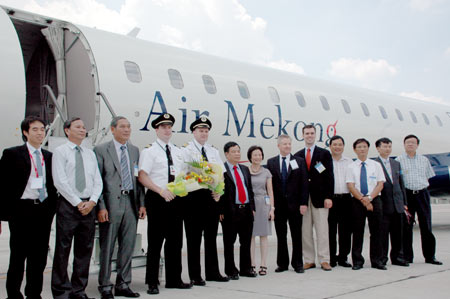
(25, 125)
(115, 120)
(360, 140)
(227, 146)
(252, 149)
(382, 140)
(308, 127)
(68, 123)
(337, 137)
(411, 136)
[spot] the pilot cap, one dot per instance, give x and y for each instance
(165, 118)
(202, 122)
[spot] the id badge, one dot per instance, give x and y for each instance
(136, 170)
(319, 167)
(172, 170)
(267, 199)
(37, 183)
(294, 164)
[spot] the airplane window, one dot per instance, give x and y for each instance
(425, 118)
(209, 83)
(175, 79)
(324, 102)
(243, 89)
(133, 72)
(413, 117)
(274, 94)
(365, 109)
(346, 106)
(300, 99)
(438, 120)
(399, 114)
(383, 112)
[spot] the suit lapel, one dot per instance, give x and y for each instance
(386, 174)
(291, 157)
(277, 166)
(133, 161)
(314, 158)
(112, 152)
(230, 175)
(26, 156)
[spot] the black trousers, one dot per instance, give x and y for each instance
(419, 203)
(240, 223)
(340, 224)
(201, 217)
(71, 225)
(392, 225)
(294, 218)
(360, 214)
(29, 237)
(165, 226)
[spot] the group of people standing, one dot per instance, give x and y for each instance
(313, 190)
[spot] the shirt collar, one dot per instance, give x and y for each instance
(197, 144)
(312, 148)
(31, 149)
(162, 143)
(359, 161)
(343, 158)
(231, 166)
(73, 145)
(383, 159)
(118, 144)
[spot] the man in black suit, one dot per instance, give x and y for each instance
(321, 189)
(290, 189)
(30, 202)
(237, 208)
(393, 199)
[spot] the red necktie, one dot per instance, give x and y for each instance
(308, 158)
(240, 186)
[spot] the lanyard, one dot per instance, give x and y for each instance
(34, 164)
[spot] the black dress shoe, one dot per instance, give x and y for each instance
(248, 274)
(357, 267)
(299, 270)
(107, 295)
(345, 264)
(233, 277)
(218, 278)
(333, 264)
(379, 267)
(198, 282)
(153, 290)
(79, 297)
(400, 263)
(280, 269)
(433, 261)
(127, 292)
(180, 285)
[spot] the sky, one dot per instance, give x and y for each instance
(400, 47)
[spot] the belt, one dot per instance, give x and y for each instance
(126, 192)
(33, 201)
(341, 195)
(242, 206)
(415, 191)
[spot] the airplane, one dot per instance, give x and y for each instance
(58, 70)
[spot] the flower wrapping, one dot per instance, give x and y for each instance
(201, 175)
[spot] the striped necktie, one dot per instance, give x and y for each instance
(125, 170)
(40, 173)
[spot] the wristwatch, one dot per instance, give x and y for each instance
(369, 197)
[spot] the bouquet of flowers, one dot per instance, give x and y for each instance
(201, 175)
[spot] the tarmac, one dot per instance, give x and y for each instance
(420, 280)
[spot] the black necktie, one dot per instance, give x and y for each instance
(284, 173)
(204, 154)
(169, 163)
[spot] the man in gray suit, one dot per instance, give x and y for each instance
(119, 207)
(393, 198)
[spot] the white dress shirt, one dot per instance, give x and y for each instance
(241, 174)
(288, 159)
(153, 161)
(387, 165)
(340, 170)
(373, 170)
(117, 145)
(63, 172)
(29, 193)
(193, 152)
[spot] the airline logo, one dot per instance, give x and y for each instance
(267, 128)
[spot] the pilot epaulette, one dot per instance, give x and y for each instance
(186, 144)
(148, 145)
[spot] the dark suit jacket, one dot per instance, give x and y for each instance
(296, 186)
(109, 166)
(321, 185)
(227, 201)
(15, 170)
(393, 195)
